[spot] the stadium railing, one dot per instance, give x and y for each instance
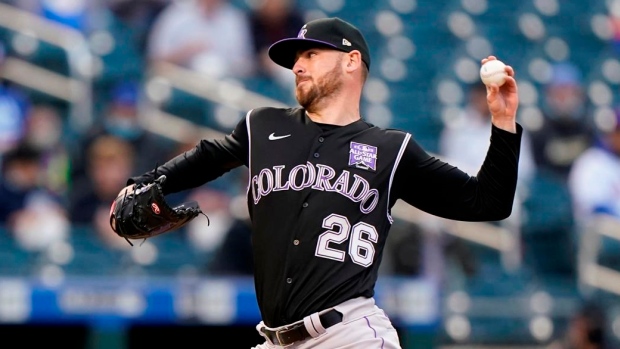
(598, 258)
(75, 88)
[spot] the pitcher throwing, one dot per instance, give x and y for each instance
(323, 182)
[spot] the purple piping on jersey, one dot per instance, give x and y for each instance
(396, 163)
(375, 331)
(247, 124)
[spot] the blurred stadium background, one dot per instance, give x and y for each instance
(522, 283)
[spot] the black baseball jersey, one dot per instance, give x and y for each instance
(319, 198)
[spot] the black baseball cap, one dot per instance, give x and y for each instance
(332, 33)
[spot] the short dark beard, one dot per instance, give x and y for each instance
(321, 91)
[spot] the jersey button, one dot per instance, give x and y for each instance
(305, 204)
(289, 280)
(321, 139)
(296, 242)
(316, 155)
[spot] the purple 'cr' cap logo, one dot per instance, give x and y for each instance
(363, 156)
(302, 32)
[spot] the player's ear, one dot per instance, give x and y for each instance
(353, 60)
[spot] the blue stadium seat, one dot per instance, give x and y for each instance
(14, 261)
(269, 88)
(586, 50)
(548, 229)
(125, 61)
(508, 45)
(188, 106)
(609, 253)
(491, 279)
(175, 256)
(499, 331)
(51, 57)
(413, 111)
(92, 257)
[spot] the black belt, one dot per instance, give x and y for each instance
(298, 332)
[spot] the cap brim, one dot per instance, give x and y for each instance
(284, 52)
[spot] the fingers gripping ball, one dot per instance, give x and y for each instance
(493, 72)
(144, 213)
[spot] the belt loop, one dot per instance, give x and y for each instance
(315, 324)
(310, 328)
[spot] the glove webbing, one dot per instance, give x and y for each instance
(134, 203)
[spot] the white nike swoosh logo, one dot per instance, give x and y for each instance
(273, 137)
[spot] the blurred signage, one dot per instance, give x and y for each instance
(220, 301)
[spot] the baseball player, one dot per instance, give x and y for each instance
(322, 182)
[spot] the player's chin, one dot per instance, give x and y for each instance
(301, 95)
(302, 87)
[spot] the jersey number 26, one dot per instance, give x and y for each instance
(361, 237)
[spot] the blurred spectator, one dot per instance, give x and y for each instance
(566, 131)
(405, 250)
(109, 162)
(20, 171)
(465, 140)
(594, 180)
(139, 16)
(270, 21)
(549, 236)
(233, 254)
(207, 234)
(208, 36)
(33, 215)
(586, 330)
(13, 109)
(614, 18)
(121, 119)
(44, 132)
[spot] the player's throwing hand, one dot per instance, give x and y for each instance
(503, 100)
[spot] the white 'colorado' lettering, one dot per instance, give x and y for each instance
(317, 177)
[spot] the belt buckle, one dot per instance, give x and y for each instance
(280, 339)
(285, 329)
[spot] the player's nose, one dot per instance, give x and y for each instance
(298, 67)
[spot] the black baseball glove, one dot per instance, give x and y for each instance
(144, 212)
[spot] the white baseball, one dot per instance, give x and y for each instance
(493, 72)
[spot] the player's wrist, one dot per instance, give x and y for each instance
(506, 124)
